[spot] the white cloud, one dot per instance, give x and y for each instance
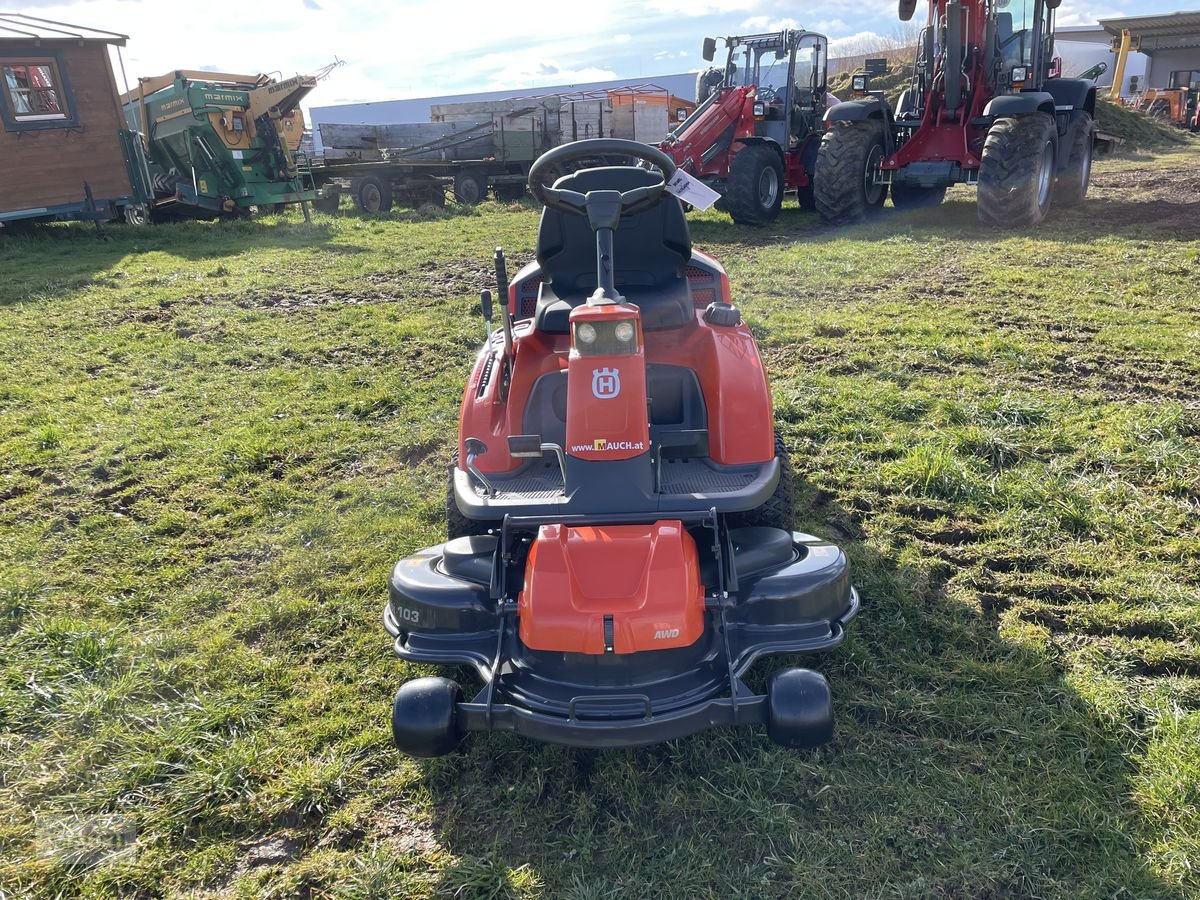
(393, 50)
(766, 24)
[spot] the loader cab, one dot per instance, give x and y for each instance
(788, 69)
(1024, 45)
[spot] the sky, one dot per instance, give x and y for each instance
(420, 48)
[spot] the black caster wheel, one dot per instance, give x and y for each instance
(425, 717)
(799, 708)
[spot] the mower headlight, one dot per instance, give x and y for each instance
(1020, 73)
(601, 337)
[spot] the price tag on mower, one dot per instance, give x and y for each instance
(692, 190)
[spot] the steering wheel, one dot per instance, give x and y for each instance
(767, 94)
(569, 201)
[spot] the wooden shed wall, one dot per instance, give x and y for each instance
(47, 167)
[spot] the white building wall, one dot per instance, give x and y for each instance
(1164, 62)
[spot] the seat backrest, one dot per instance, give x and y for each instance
(650, 248)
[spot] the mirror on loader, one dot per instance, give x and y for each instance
(907, 8)
(710, 49)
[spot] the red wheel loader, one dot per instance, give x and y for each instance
(985, 107)
(755, 134)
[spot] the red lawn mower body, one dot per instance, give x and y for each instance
(619, 508)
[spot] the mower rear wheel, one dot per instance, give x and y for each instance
(906, 196)
(799, 708)
(470, 188)
(754, 192)
(373, 194)
(1072, 185)
(847, 162)
(780, 509)
(425, 717)
(1016, 174)
(458, 525)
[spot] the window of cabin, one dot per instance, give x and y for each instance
(32, 90)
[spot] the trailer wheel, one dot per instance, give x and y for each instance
(470, 188)
(1072, 184)
(847, 160)
(1016, 175)
(907, 196)
(755, 189)
(137, 214)
(373, 194)
(509, 192)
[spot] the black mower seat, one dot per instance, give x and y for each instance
(650, 249)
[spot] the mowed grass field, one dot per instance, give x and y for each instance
(216, 439)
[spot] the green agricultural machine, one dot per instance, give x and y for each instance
(217, 144)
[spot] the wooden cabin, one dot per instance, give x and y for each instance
(60, 122)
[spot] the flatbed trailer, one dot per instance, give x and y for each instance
(377, 185)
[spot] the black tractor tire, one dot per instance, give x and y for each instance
(1071, 187)
(509, 191)
(458, 525)
(754, 192)
(470, 188)
(799, 708)
(1016, 175)
(844, 180)
(780, 509)
(425, 717)
(373, 194)
(329, 201)
(707, 81)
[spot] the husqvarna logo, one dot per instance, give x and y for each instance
(606, 383)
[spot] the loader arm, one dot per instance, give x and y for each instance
(702, 143)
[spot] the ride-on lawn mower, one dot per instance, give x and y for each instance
(619, 506)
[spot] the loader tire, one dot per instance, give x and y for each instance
(845, 188)
(1016, 175)
(1071, 187)
(458, 525)
(754, 192)
(780, 509)
(373, 194)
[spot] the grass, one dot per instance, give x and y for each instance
(216, 439)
